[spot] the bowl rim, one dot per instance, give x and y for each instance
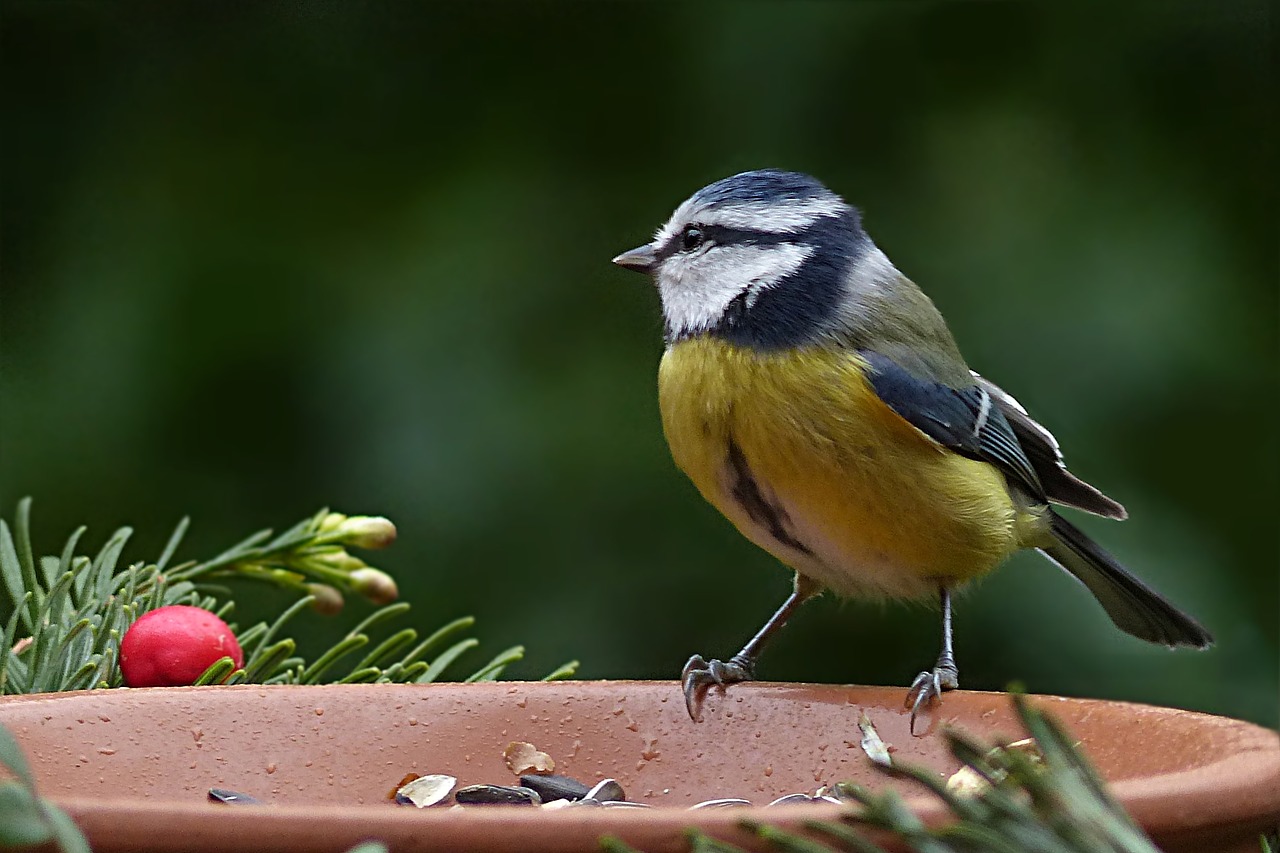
(1240, 790)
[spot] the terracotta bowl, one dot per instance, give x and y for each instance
(134, 767)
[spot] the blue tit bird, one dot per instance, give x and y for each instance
(815, 396)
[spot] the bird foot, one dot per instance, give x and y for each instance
(701, 675)
(928, 687)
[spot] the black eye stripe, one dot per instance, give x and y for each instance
(725, 235)
(722, 235)
(824, 230)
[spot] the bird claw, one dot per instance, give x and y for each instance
(928, 688)
(700, 675)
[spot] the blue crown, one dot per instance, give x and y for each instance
(762, 185)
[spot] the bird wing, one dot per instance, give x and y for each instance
(1045, 456)
(965, 420)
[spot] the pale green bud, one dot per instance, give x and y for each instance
(328, 601)
(338, 559)
(367, 531)
(375, 585)
(331, 522)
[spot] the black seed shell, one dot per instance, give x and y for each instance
(497, 795)
(551, 787)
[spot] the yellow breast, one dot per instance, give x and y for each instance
(802, 456)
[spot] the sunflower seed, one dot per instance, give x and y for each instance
(497, 795)
(722, 803)
(607, 789)
(559, 804)
(585, 802)
(552, 788)
(792, 799)
(425, 791)
(624, 804)
(872, 745)
(231, 798)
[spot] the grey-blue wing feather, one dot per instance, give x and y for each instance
(1041, 448)
(964, 420)
(972, 421)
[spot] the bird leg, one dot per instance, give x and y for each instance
(928, 686)
(700, 675)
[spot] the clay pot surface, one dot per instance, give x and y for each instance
(134, 767)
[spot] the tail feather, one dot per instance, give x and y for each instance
(1135, 607)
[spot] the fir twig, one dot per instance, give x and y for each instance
(63, 617)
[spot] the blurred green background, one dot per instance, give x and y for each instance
(259, 258)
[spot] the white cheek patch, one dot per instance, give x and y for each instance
(696, 290)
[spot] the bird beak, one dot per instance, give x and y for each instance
(641, 259)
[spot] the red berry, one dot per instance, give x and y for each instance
(172, 646)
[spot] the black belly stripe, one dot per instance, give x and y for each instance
(746, 491)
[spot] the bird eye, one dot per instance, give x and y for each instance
(691, 238)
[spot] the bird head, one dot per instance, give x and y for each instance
(761, 257)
